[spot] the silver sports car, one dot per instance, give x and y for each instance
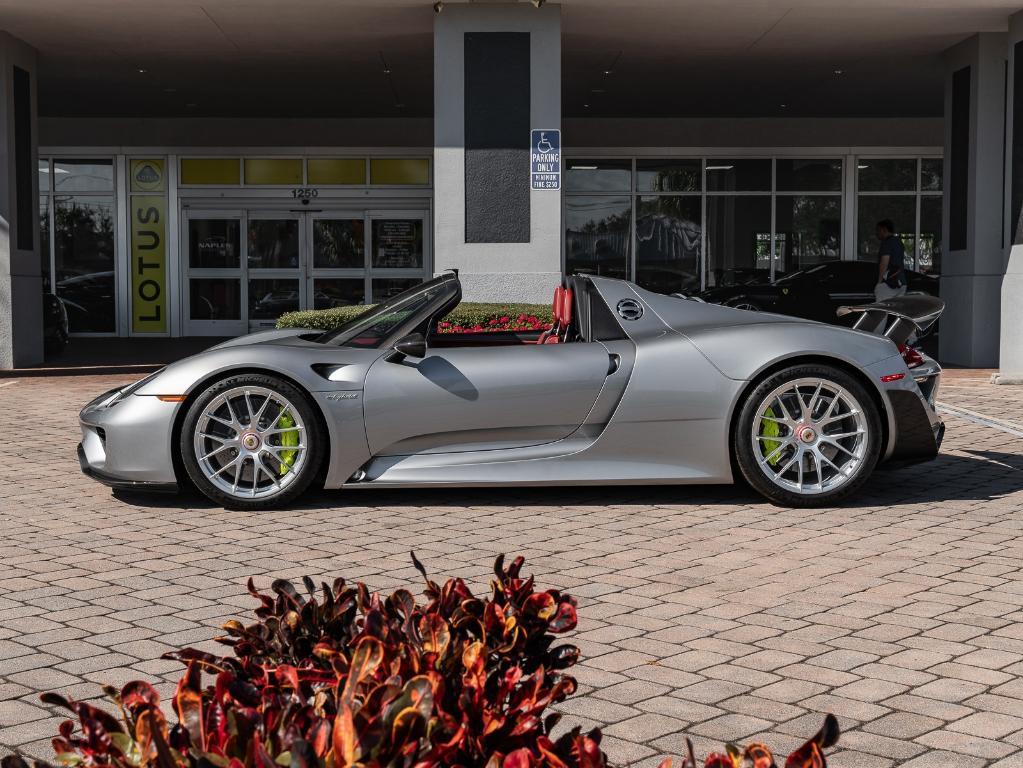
(628, 387)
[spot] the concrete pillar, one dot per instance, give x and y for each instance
(974, 261)
(497, 74)
(1011, 343)
(21, 313)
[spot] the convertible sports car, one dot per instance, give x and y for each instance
(628, 387)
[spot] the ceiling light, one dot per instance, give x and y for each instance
(861, 166)
(720, 167)
(438, 6)
(839, 71)
(574, 167)
(141, 71)
(783, 106)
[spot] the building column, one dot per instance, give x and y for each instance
(1011, 343)
(974, 262)
(497, 75)
(21, 312)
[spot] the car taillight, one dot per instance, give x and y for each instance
(911, 356)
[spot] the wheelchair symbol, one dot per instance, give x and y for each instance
(544, 146)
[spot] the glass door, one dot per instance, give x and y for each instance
(337, 260)
(214, 288)
(274, 248)
(396, 252)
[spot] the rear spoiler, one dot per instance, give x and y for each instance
(897, 318)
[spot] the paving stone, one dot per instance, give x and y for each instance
(988, 725)
(902, 725)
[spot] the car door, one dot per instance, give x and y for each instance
(477, 398)
(852, 283)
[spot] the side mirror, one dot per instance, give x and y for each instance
(413, 345)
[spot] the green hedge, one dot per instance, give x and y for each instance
(466, 315)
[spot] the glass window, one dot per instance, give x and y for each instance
(598, 176)
(44, 176)
(929, 252)
(210, 170)
(338, 292)
(901, 209)
(738, 175)
(598, 235)
(398, 170)
(887, 174)
(738, 239)
(215, 299)
(810, 175)
(931, 170)
(84, 254)
(44, 239)
(808, 230)
(668, 238)
(389, 287)
(339, 243)
(273, 244)
(273, 170)
(83, 175)
(336, 170)
(269, 299)
(214, 243)
(669, 176)
(397, 243)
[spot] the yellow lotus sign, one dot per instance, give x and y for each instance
(148, 221)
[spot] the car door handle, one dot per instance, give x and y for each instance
(614, 362)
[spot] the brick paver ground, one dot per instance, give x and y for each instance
(704, 612)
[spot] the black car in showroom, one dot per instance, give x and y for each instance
(814, 293)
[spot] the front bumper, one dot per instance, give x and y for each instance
(126, 442)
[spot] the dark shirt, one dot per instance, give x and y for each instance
(892, 246)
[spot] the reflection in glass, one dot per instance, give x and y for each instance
(269, 299)
(598, 176)
(44, 239)
(214, 243)
(808, 230)
(929, 260)
(931, 169)
(398, 243)
(44, 175)
(738, 175)
(901, 209)
(886, 174)
(810, 175)
(215, 299)
(84, 256)
(83, 175)
(385, 288)
(598, 235)
(668, 235)
(738, 240)
(338, 292)
(668, 176)
(339, 243)
(273, 244)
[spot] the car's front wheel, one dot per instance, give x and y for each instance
(808, 436)
(251, 441)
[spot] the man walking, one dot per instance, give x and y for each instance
(891, 263)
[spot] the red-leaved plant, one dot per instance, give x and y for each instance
(349, 678)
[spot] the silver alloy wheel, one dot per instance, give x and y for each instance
(745, 305)
(250, 442)
(810, 430)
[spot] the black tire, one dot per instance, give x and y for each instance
(750, 464)
(315, 442)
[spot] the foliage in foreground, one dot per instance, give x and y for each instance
(344, 677)
(466, 317)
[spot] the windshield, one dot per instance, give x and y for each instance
(372, 328)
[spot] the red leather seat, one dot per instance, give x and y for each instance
(551, 335)
(567, 307)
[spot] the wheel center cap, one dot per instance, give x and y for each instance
(250, 440)
(806, 433)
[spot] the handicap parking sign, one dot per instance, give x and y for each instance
(545, 158)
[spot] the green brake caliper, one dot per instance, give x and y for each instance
(770, 429)
(290, 438)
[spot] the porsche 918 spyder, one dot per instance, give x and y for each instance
(627, 387)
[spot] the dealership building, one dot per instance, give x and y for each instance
(196, 169)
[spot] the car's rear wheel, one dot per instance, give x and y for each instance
(744, 303)
(251, 441)
(808, 436)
